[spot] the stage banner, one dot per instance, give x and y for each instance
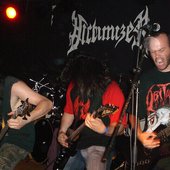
(109, 30)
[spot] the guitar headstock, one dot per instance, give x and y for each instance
(23, 110)
(105, 110)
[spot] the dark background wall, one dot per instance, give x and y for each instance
(38, 41)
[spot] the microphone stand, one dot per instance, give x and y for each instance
(134, 84)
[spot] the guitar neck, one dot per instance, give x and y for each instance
(100, 112)
(4, 131)
(75, 133)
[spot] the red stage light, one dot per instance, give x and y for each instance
(11, 12)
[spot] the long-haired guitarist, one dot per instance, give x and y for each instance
(90, 88)
(21, 107)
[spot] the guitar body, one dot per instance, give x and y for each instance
(146, 159)
(64, 155)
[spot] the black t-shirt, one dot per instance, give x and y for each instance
(23, 137)
(154, 98)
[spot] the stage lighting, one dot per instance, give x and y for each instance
(11, 12)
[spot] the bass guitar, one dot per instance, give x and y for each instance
(65, 153)
(22, 110)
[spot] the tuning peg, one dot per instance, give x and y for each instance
(24, 118)
(28, 114)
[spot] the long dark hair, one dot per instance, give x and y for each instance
(89, 75)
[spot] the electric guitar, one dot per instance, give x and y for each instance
(65, 153)
(22, 111)
(146, 159)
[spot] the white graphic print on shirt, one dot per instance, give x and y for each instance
(160, 117)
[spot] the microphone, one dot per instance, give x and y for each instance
(151, 27)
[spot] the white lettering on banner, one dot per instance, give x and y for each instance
(85, 33)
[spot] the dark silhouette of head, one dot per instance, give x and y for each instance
(89, 75)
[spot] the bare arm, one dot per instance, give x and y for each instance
(66, 122)
(42, 105)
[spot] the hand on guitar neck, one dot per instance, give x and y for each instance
(92, 121)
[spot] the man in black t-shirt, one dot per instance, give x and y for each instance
(154, 102)
(19, 139)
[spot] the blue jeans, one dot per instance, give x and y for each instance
(88, 159)
(75, 162)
